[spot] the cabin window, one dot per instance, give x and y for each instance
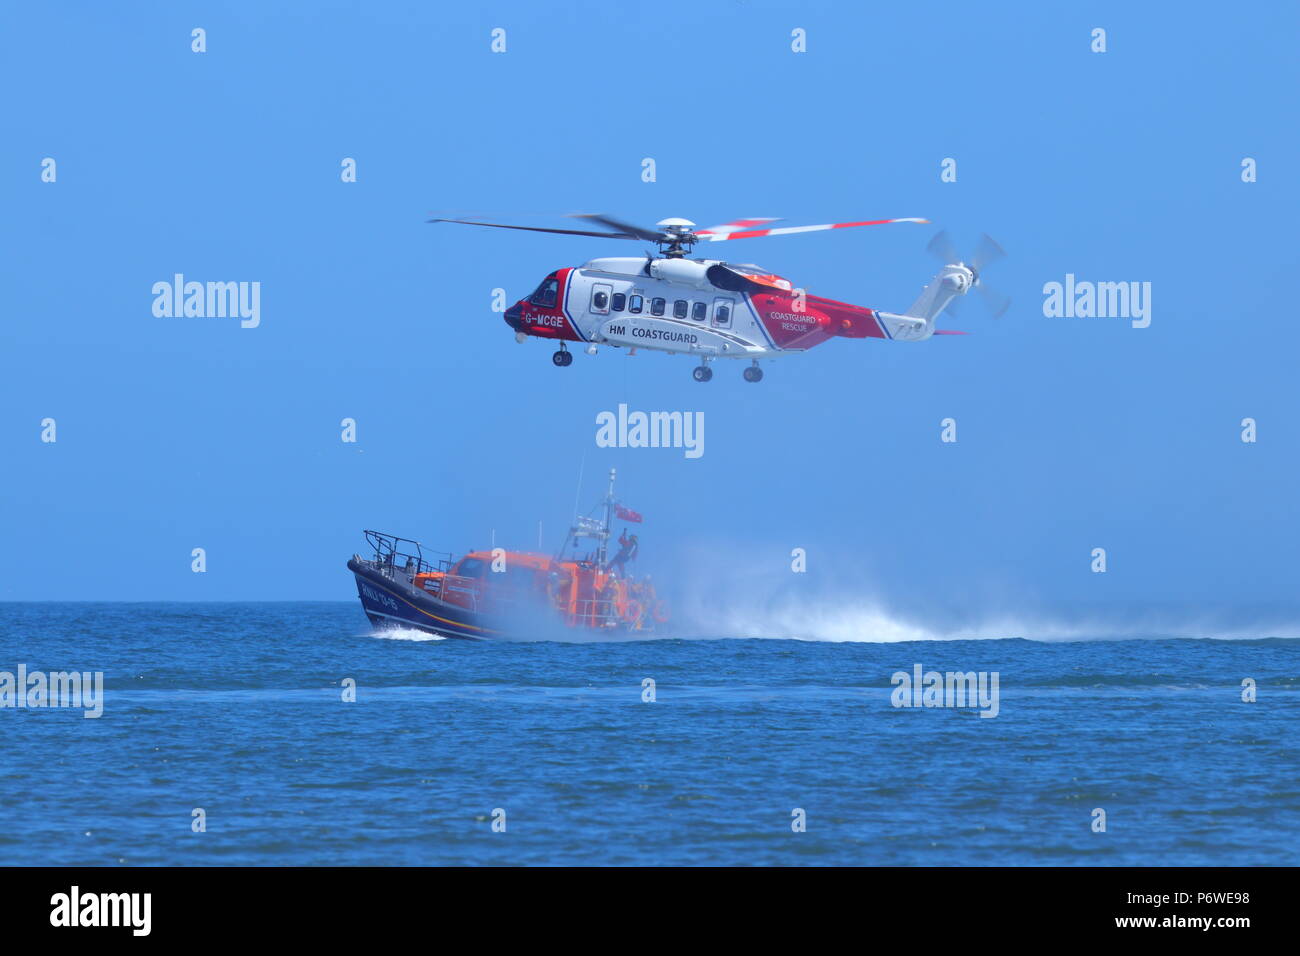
(546, 293)
(620, 302)
(680, 308)
(722, 312)
(700, 311)
(634, 304)
(471, 568)
(599, 301)
(657, 305)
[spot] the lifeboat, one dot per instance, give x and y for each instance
(497, 593)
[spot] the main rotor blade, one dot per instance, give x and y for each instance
(708, 236)
(736, 225)
(563, 232)
(634, 232)
(987, 252)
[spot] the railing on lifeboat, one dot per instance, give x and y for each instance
(393, 552)
(595, 613)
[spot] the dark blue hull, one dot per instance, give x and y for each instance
(389, 604)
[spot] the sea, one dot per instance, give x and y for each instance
(267, 734)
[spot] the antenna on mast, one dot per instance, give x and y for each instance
(577, 495)
(601, 550)
(585, 526)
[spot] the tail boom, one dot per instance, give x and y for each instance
(917, 323)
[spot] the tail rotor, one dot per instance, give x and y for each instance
(987, 251)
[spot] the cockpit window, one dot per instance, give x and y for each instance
(546, 293)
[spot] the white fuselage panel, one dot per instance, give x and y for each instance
(673, 309)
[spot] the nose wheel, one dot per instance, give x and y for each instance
(753, 373)
(563, 357)
(701, 373)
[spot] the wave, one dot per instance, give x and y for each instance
(857, 621)
(404, 634)
(728, 591)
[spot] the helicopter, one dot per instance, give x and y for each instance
(713, 309)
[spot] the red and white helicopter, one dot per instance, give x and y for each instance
(714, 309)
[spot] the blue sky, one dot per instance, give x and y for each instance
(1073, 433)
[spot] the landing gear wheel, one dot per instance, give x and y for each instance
(562, 358)
(753, 374)
(702, 373)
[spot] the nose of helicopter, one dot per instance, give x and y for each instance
(513, 315)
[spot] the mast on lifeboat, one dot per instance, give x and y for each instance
(602, 552)
(597, 528)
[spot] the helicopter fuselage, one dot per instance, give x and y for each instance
(702, 307)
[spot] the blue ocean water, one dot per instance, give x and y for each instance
(237, 709)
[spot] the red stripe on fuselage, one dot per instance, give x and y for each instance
(795, 324)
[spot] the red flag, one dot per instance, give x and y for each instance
(627, 514)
